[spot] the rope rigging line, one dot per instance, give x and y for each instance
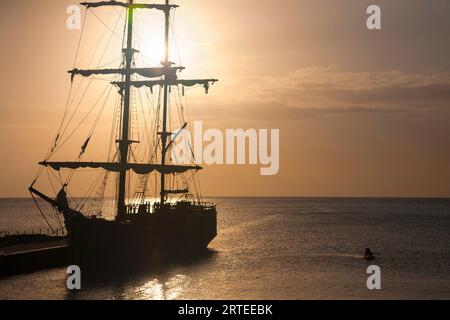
(84, 118)
(95, 47)
(115, 120)
(85, 91)
(141, 189)
(57, 135)
(174, 37)
(91, 133)
(81, 37)
(50, 180)
(96, 205)
(108, 27)
(93, 50)
(141, 145)
(60, 179)
(89, 192)
(41, 212)
(54, 190)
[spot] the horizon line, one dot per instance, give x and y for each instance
(284, 197)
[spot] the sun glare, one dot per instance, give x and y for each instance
(152, 50)
(150, 40)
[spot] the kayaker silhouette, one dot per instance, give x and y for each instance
(369, 255)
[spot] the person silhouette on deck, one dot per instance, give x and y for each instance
(61, 199)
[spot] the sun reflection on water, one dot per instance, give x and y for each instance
(156, 289)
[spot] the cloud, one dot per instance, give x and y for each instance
(313, 92)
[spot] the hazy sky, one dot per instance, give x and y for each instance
(361, 113)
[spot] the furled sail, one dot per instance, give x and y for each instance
(161, 7)
(138, 168)
(182, 191)
(169, 72)
(206, 83)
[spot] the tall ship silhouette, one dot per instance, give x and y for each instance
(174, 219)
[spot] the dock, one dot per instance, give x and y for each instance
(34, 256)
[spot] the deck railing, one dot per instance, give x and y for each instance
(149, 208)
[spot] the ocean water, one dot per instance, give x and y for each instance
(278, 248)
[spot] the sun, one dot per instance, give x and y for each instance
(152, 49)
(149, 39)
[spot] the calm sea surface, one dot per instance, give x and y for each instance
(277, 248)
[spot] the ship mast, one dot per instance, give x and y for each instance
(164, 133)
(124, 142)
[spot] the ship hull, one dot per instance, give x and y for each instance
(141, 237)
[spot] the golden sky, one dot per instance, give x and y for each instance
(361, 113)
